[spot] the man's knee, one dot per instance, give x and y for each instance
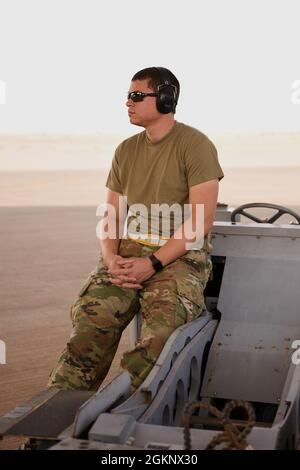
(104, 303)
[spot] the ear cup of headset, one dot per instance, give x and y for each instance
(165, 102)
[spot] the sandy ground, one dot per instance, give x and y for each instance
(48, 247)
(95, 151)
(279, 185)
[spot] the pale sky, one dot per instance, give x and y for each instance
(67, 64)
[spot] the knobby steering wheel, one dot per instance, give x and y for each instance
(280, 211)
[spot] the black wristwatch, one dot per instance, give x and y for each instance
(157, 265)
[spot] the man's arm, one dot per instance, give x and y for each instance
(203, 193)
(113, 218)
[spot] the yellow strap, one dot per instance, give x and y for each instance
(146, 242)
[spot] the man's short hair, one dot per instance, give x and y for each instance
(156, 76)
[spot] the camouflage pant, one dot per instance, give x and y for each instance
(168, 299)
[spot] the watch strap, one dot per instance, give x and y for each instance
(157, 265)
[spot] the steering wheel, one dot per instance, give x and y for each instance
(280, 211)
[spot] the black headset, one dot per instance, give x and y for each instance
(166, 99)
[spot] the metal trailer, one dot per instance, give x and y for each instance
(241, 348)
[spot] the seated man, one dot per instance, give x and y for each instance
(157, 272)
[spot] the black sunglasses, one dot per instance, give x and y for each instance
(139, 96)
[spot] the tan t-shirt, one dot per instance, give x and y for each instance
(161, 173)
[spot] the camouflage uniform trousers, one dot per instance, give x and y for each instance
(168, 300)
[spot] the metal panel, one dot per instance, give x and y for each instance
(51, 417)
(81, 444)
(110, 427)
(259, 438)
(256, 240)
(16, 415)
(251, 352)
(137, 403)
(182, 383)
(253, 229)
(101, 401)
